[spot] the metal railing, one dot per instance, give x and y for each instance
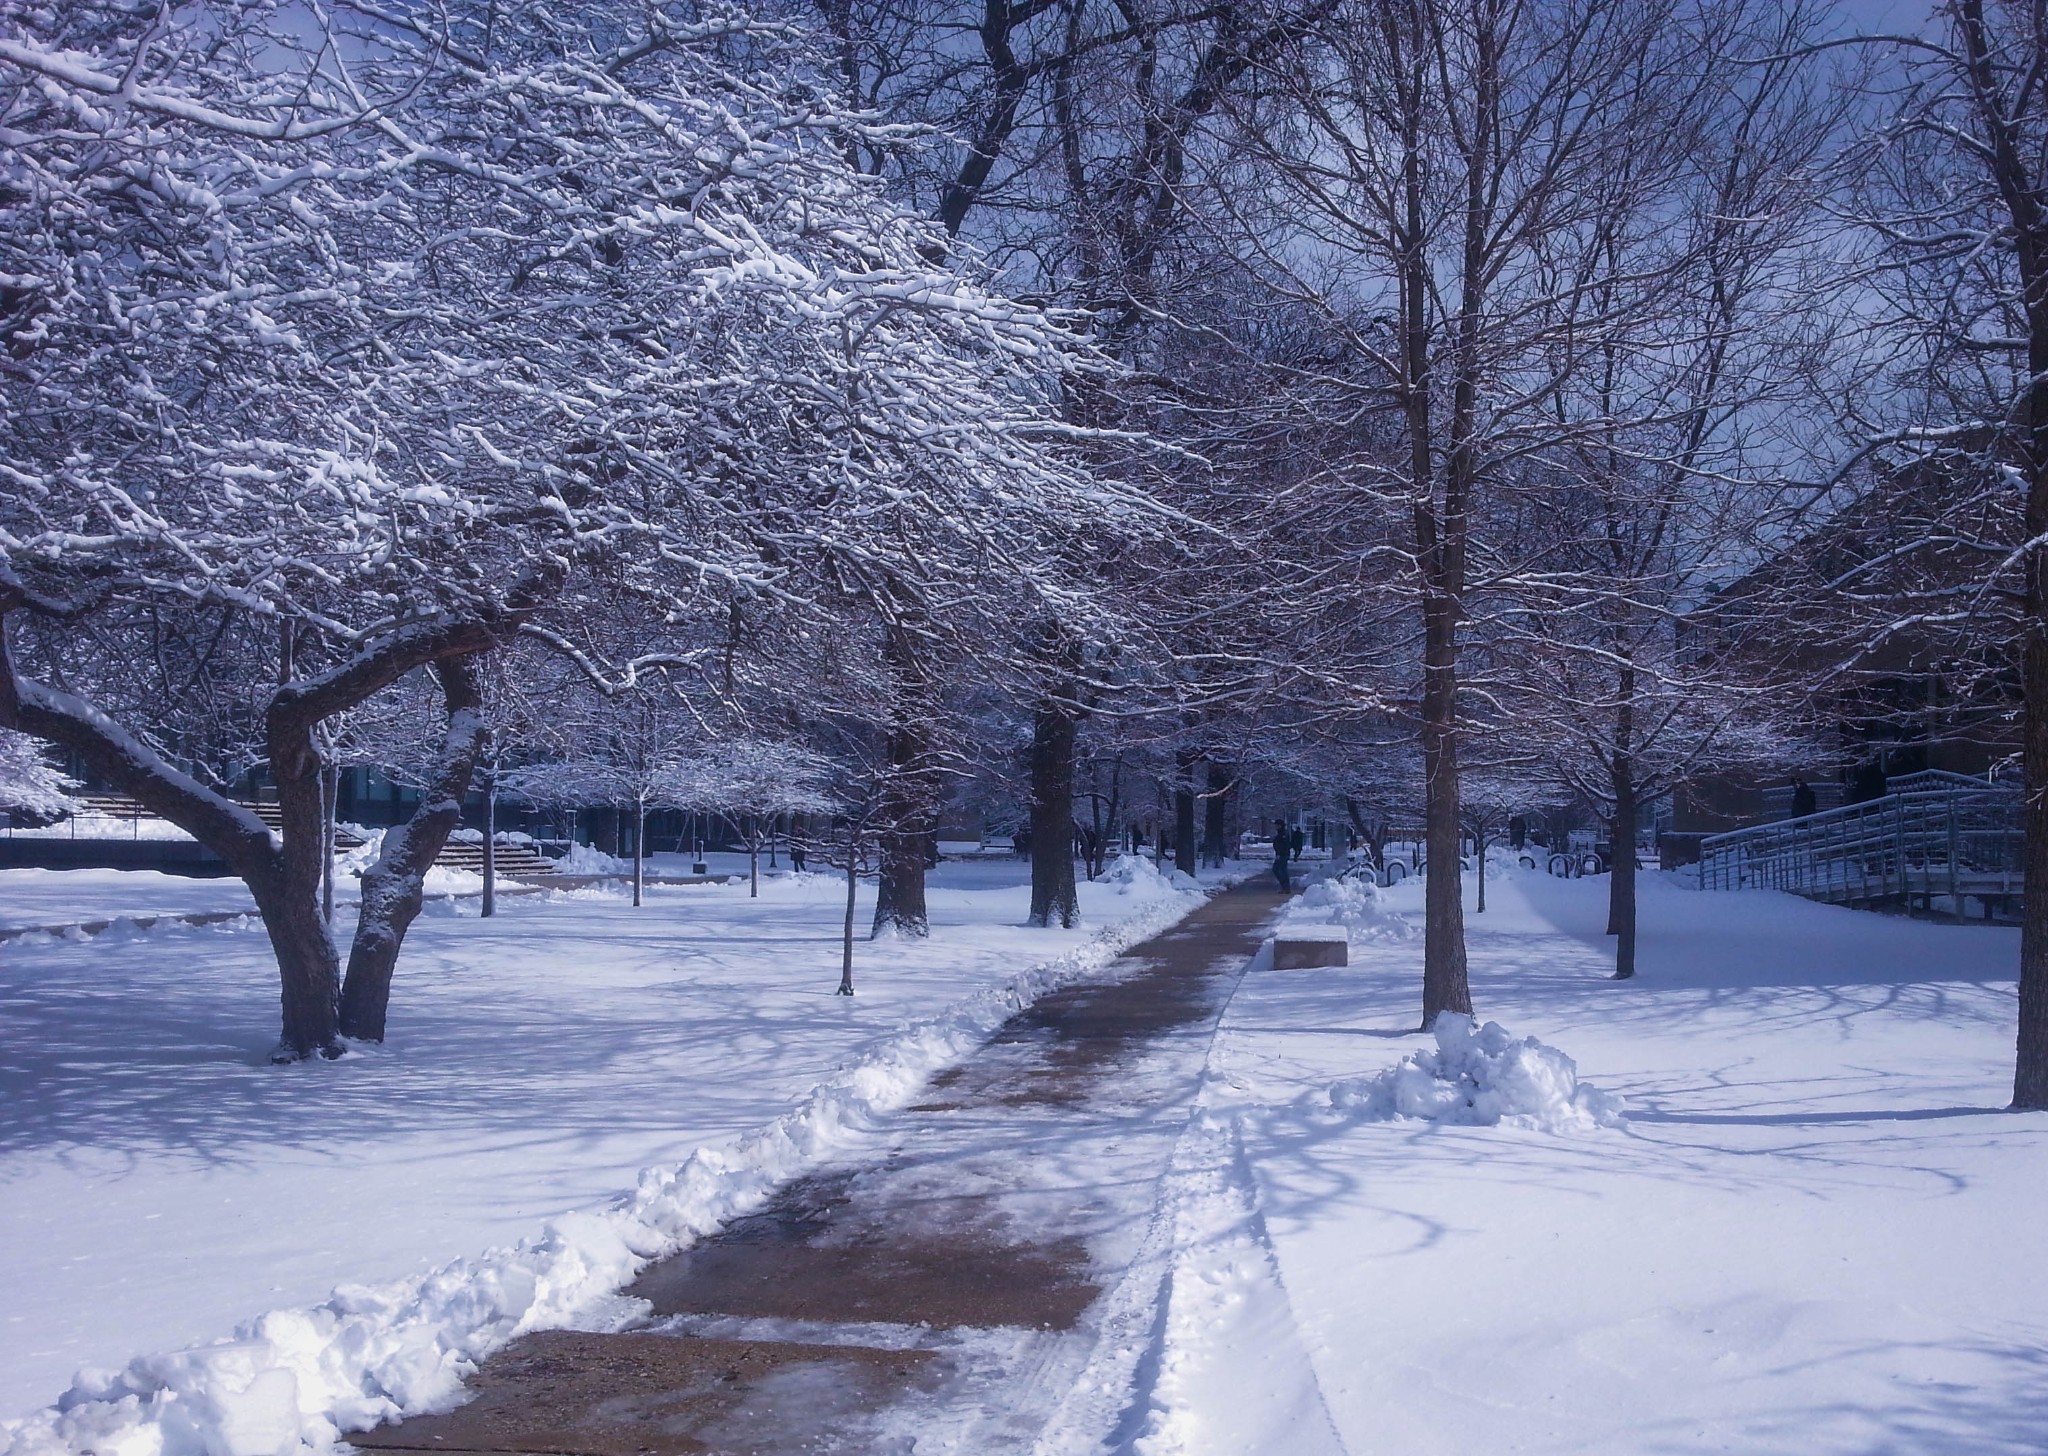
(1935, 834)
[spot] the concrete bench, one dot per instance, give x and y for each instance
(1293, 954)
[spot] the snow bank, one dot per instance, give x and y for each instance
(297, 1380)
(441, 880)
(1133, 873)
(1480, 1076)
(88, 825)
(588, 859)
(1226, 1368)
(438, 880)
(1356, 905)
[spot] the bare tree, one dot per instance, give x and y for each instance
(1951, 190)
(1437, 191)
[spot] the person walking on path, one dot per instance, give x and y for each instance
(796, 858)
(1283, 852)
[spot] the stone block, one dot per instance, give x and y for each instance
(1302, 955)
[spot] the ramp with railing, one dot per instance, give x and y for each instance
(1935, 841)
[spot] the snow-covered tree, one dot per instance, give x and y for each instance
(1466, 201)
(1953, 406)
(1072, 129)
(392, 326)
(752, 783)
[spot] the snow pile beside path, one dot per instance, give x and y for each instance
(1481, 1076)
(297, 1380)
(1135, 874)
(1355, 904)
(351, 863)
(441, 880)
(588, 859)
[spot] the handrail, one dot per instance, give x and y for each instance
(1937, 834)
(1862, 809)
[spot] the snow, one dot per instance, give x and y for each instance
(1479, 1076)
(105, 826)
(29, 784)
(1228, 1328)
(1136, 872)
(63, 897)
(32, 897)
(1815, 1232)
(585, 859)
(1804, 1224)
(461, 1184)
(1355, 906)
(441, 880)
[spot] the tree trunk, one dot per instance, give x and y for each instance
(1444, 983)
(1479, 907)
(2019, 186)
(290, 898)
(1115, 810)
(906, 812)
(1621, 887)
(1054, 897)
(490, 905)
(1185, 760)
(1440, 546)
(330, 791)
(639, 848)
(2030, 1067)
(852, 892)
(1214, 824)
(754, 865)
(394, 887)
(307, 968)
(2030, 1060)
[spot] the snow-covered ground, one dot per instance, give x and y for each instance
(65, 897)
(163, 1185)
(1816, 1230)
(1808, 1226)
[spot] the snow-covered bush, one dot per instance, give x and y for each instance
(1354, 903)
(1480, 1076)
(29, 787)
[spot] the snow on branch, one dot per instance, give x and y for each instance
(29, 787)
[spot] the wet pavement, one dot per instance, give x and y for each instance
(940, 1294)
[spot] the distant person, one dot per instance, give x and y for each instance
(1518, 832)
(1804, 801)
(1283, 852)
(796, 858)
(1297, 841)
